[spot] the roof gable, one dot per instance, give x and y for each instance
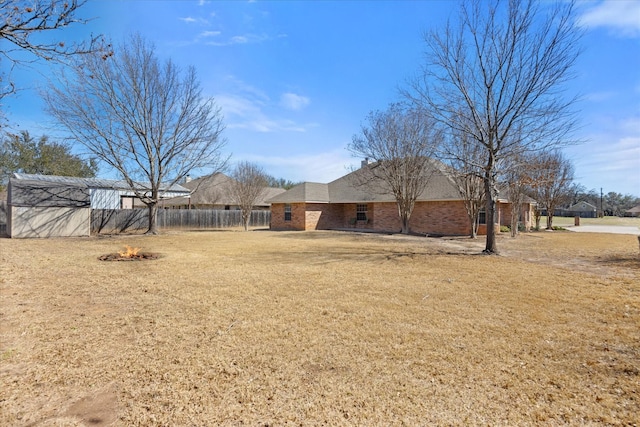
(307, 192)
(582, 206)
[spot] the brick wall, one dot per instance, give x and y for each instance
(324, 216)
(385, 217)
(526, 214)
(447, 218)
(297, 217)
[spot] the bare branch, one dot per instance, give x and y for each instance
(143, 118)
(22, 21)
(248, 185)
(401, 143)
(499, 78)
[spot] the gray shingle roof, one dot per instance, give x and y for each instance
(310, 192)
(351, 189)
(215, 189)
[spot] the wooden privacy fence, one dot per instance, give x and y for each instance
(124, 220)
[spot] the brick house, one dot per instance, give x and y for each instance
(347, 203)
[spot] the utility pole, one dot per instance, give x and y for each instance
(601, 204)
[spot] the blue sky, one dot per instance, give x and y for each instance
(296, 79)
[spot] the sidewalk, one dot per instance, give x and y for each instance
(615, 229)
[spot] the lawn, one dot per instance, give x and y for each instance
(320, 328)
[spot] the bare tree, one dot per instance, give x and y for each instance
(401, 143)
(464, 156)
(146, 119)
(551, 185)
(22, 22)
(247, 186)
(517, 179)
(501, 71)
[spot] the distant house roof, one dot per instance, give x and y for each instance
(582, 207)
(634, 210)
(94, 183)
(215, 189)
(358, 187)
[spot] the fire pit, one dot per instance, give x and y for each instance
(129, 254)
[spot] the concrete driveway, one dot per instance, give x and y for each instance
(615, 229)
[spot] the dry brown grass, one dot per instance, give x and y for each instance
(320, 328)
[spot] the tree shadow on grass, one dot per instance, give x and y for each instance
(626, 260)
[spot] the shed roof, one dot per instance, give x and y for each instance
(93, 182)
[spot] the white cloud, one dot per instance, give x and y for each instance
(620, 16)
(600, 96)
(188, 20)
(611, 157)
(246, 107)
(294, 102)
(241, 39)
(209, 34)
(315, 167)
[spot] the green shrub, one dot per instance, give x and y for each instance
(505, 229)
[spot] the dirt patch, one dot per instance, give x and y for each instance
(143, 256)
(321, 328)
(97, 409)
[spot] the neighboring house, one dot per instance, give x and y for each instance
(581, 209)
(214, 192)
(48, 206)
(635, 211)
(348, 204)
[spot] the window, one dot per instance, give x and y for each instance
(287, 212)
(126, 202)
(482, 217)
(361, 212)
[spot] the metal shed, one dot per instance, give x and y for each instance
(60, 206)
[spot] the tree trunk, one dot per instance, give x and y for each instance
(515, 215)
(153, 216)
(549, 221)
(491, 246)
(404, 218)
(245, 220)
(405, 224)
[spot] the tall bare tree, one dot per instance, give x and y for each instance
(501, 69)
(21, 25)
(144, 118)
(552, 179)
(401, 143)
(249, 183)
